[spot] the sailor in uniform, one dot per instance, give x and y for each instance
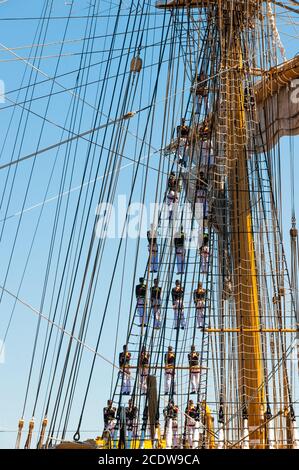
(153, 249)
(124, 365)
(182, 135)
(177, 294)
(109, 418)
(169, 371)
(131, 412)
(144, 369)
(201, 188)
(191, 415)
(171, 412)
(172, 182)
(140, 292)
(156, 303)
(193, 359)
(204, 147)
(201, 202)
(179, 243)
(199, 296)
(200, 90)
(205, 253)
(172, 200)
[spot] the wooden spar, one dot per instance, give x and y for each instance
(273, 79)
(184, 4)
(276, 78)
(163, 367)
(251, 5)
(171, 4)
(251, 330)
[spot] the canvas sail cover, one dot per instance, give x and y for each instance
(277, 100)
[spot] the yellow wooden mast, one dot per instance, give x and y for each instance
(251, 388)
(245, 278)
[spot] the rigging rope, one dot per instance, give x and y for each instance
(57, 326)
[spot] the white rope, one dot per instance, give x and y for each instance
(276, 34)
(69, 191)
(70, 92)
(51, 322)
(70, 139)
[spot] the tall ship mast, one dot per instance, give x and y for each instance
(174, 325)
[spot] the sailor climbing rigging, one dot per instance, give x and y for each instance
(178, 305)
(124, 365)
(153, 249)
(183, 132)
(170, 413)
(199, 296)
(193, 359)
(191, 415)
(156, 293)
(131, 412)
(201, 200)
(140, 292)
(169, 360)
(179, 243)
(172, 182)
(109, 418)
(200, 91)
(144, 369)
(201, 188)
(172, 199)
(205, 253)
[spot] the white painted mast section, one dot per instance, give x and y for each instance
(295, 435)
(245, 435)
(196, 435)
(221, 438)
(169, 434)
(271, 435)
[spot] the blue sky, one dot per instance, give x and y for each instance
(18, 347)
